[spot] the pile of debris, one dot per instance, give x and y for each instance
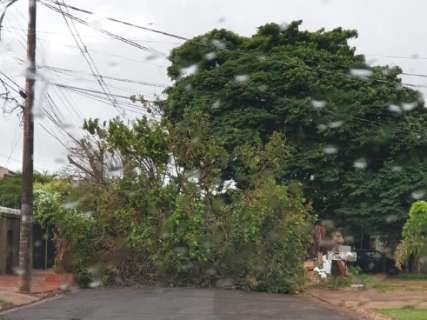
(330, 256)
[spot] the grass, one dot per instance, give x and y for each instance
(405, 313)
(393, 283)
(412, 276)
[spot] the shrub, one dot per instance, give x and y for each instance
(268, 232)
(414, 234)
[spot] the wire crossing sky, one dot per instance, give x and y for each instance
(129, 40)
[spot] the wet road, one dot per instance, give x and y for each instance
(177, 304)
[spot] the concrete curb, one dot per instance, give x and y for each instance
(51, 297)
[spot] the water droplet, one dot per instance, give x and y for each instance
(284, 26)
(318, 104)
(221, 20)
(241, 78)
(330, 149)
(218, 44)
(360, 163)
(360, 73)
(189, 71)
(97, 21)
(396, 168)
(64, 286)
(394, 108)
(263, 87)
(210, 56)
(335, 124)
(71, 205)
(18, 271)
(409, 106)
(418, 194)
(95, 284)
(322, 127)
(216, 105)
(391, 218)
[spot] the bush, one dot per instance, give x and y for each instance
(414, 234)
(268, 233)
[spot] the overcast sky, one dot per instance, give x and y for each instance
(390, 32)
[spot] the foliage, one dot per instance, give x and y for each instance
(268, 232)
(163, 212)
(73, 229)
(10, 188)
(10, 192)
(405, 313)
(355, 135)
(414, 234)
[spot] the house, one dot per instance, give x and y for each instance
(43, 247)
(9, 239)
(5, 172)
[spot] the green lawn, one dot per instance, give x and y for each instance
(405, 314)
(412, 276)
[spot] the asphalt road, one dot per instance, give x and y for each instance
(177, 304)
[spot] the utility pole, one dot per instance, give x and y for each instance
(26, 234)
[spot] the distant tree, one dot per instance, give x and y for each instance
(356, 135)
(10, 191)
(10, 188)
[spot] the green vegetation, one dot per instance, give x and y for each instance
(10, 192)
(186, 227)
(10, 188)
(355, 134)
(412, 276)
(405, 313)
(220, 190)
(414, 243)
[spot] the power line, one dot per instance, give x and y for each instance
(112, 35)
(10, 29)
(62, 70)
(87, 56)
(122, 21)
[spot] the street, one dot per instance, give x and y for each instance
(176, 303)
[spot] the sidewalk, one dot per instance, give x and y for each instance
(44, 284)
(386, 294)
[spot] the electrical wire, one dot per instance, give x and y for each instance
(122, 21)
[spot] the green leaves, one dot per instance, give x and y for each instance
(414, 243)
(312, 89)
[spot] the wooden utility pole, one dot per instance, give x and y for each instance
(26, 234)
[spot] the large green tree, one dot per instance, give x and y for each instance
(356, 134)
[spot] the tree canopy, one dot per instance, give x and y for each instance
(355, 133)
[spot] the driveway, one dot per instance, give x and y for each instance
(177, 304)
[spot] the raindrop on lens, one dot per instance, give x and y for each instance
(418, 194)
(360, 73)
(318, 104)
(210, 56)
(360, 163)
(335, 124)
(330, 149)
(391, 218)
(394, 108)
(241, 78)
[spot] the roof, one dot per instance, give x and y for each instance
(5, 172)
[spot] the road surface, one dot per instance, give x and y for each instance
(176, 304)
